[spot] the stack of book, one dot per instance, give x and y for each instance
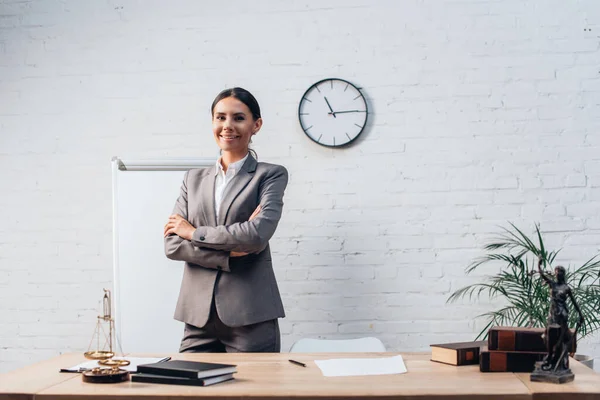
(180, 372)
(508, 349)
(513, 349)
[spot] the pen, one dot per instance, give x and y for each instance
(297, 363)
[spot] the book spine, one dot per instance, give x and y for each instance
(167, 372)
(467, 356)
(518, 340)
(509, 361)
(167, 381)
(514, 340)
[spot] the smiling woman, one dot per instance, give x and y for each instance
(236, 118)
(221, 226)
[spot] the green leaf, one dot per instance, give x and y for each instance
(517, 283)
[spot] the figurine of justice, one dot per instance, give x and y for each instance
(555, 366)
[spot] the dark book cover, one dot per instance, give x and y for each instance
(509, 361)
(188, 369)
(458, 353)
(178, 380)
(510, 338)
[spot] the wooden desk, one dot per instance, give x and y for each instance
(271, 376)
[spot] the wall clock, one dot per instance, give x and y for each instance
(333, 112)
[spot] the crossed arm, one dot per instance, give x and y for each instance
(211, 247)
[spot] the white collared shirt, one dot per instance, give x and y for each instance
(223, 179)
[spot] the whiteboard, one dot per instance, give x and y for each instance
(146, 283)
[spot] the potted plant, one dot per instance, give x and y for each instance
(525, 295)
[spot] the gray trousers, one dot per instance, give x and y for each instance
(216, 337)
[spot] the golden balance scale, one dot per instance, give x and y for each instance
(109, 371)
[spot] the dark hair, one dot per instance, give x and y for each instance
(242, 95)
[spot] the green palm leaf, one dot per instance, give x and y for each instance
(525, 295)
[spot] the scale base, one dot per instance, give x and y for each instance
(105, 375)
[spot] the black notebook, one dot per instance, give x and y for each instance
(187, 369)
(178, 380)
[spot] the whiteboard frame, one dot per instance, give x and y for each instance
(119, 165)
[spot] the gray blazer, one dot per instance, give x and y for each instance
(245, 289)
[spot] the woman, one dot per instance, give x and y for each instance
(221, 226)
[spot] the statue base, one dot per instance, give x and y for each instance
(540, 375)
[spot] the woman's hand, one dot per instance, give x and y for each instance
(179, 226)
(240, 254)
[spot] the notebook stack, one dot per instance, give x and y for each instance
(513, 349)
(180, 372)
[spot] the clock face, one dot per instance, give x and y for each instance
(333, 112)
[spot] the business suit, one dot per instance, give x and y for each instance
(241, 290)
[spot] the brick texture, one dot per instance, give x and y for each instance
(483, 111)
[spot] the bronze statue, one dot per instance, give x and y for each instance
(558, 337)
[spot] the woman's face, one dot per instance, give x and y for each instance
(233, 125)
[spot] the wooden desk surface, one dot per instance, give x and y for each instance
(585, 386)
(271, 376)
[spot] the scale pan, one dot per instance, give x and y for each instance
(98, 355)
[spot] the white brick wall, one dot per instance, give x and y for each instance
(482, 112)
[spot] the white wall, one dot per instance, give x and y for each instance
(483, 112)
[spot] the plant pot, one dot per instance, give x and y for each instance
(586, 360)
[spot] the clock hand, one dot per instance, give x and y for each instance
(347, 111)
(330, 109)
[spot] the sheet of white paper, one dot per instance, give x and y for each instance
(362, 366)
(132, 367)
